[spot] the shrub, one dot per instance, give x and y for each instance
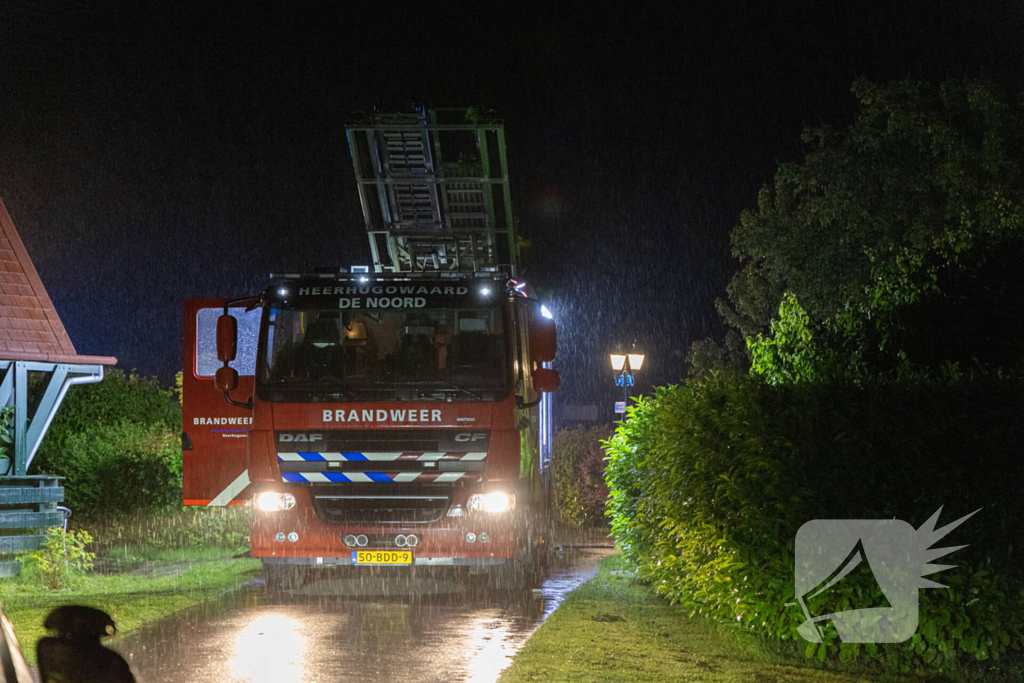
(116, 442)
(6, 439)
(580, 488)
(120, 468)
(120, 397)
(710, 482)
(63, 559)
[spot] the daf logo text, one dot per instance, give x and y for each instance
(307, 438)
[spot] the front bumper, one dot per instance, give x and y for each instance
(440, 542)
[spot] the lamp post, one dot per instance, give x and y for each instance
(625, 364)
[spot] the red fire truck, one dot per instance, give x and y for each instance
(396, 414)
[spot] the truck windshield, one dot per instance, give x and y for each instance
(331, 354)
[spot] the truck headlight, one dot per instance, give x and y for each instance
(272, 501)
(494, 502)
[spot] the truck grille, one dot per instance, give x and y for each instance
(381, 504)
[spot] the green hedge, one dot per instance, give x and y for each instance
(124, 467)
(710, 482)
(579, 463)
(117, 444)
(120, 397)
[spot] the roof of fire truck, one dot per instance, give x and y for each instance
(367, 277)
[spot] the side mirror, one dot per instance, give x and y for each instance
(543, 340)
(227, 338)
(226, 379)
(546, 380)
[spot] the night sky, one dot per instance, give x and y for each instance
(150, 152)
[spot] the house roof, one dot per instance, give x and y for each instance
(30, 328)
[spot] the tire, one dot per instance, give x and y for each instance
(284, 576)
(526, 570)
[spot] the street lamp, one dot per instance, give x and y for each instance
(625, 364)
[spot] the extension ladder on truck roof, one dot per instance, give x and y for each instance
(434, 190)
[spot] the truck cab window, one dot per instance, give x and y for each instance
(372, 353)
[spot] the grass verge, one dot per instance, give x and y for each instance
(156, 536)
(131, 599)
(132, 555)
(610, 629)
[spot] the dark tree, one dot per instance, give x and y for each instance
(898, 238)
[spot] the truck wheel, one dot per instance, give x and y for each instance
(284, 576)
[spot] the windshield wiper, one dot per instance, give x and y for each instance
(396, 385)
(311, 387)
(453, 385)
(438, 384)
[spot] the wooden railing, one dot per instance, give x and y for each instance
(28, 506)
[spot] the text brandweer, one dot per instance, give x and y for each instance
(222, 420)
(424, 415)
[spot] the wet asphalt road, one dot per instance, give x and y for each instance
(343, 626)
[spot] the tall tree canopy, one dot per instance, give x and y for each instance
(895, 240)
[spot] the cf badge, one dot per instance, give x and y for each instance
(470, 437)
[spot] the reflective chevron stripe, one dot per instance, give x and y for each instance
(233, 489)
(370, 477)
(378, 457)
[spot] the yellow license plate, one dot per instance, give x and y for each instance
(381, 557)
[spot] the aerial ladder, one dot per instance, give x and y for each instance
(434, 189)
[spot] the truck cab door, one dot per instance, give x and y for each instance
(214, 439)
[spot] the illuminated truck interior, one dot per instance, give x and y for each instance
(450, 354)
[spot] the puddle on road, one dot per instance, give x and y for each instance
(344, 627)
